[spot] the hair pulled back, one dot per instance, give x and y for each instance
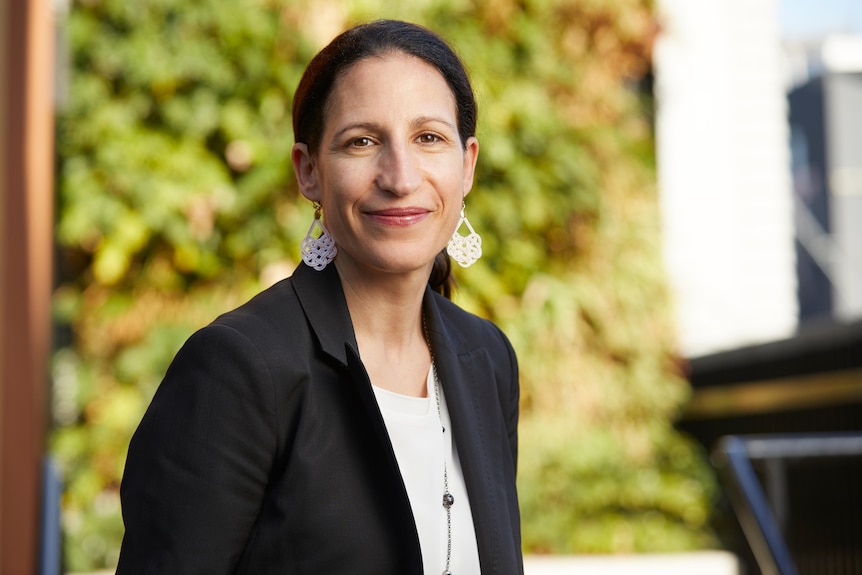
(376, 39)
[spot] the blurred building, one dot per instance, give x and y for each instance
(826, 149)
(760, 169)
(724, 173)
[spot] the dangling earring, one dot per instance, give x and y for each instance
(318, 252)
(465, 249)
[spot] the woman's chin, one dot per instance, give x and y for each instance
(402, 262)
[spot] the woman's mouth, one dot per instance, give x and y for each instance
(399, 216)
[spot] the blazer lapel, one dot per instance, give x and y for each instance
(460, 367)
(322, 299)
(323, 302)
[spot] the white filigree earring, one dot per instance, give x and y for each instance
(318, 251)
(465, 249)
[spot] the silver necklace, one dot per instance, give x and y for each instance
(448, 498)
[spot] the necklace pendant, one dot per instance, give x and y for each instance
(447, 572)
(448, 500)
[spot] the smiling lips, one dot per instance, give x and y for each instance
(399, 216)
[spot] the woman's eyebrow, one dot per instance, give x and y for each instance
(370, 126)
(421, 120)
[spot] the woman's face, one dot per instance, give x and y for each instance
(391, 171)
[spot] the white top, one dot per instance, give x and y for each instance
(420, 445)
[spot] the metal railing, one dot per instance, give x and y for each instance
(763, 515)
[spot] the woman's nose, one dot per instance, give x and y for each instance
(399, 170)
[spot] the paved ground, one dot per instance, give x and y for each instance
(700, 563)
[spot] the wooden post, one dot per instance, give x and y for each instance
(26, 223)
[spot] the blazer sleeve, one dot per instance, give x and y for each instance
(198, 463)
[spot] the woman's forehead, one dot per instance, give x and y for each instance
(375, 84)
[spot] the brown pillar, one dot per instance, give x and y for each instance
(26, 220)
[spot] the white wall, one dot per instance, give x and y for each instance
(724, 173)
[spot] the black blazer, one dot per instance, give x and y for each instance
(264, 451)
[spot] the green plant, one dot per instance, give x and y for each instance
(177, 202)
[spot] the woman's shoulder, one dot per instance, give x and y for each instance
(267, 309)
(294, 313)
(451, 311)
(267, 301)
(472, 329)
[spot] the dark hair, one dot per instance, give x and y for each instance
(376, 39)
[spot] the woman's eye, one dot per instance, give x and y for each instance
(361, 142)
(429, 138)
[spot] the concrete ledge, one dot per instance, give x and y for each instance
(699, 563)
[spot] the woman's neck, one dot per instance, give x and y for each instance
(386, 311)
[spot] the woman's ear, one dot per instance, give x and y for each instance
(306, 174)
(471, 154)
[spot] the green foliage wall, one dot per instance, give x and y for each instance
(177, 202)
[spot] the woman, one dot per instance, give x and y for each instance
(350, 419)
